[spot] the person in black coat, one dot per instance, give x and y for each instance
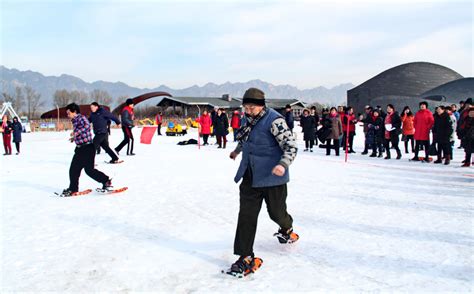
(308, 125)
(442, 131)
(393, 125)
(17, 129)
(315, 115)
(375, 133)
(221, 128)
(289, 118)
(100, 118)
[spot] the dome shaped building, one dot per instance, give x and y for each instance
(402, 85)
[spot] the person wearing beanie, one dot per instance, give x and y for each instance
(127, 116)
(268, 148)
(84, 154)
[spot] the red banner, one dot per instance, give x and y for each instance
(147, 134)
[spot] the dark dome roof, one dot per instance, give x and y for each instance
(454, 91)
(410, 79)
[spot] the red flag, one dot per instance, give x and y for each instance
(147, 134)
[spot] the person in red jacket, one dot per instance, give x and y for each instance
(349, 120)
(205, 123)
(408, 128)
(159, 122)
(127, 117)
(423, 123)
(6, 130)
(235, 123)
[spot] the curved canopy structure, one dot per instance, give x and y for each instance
(454, 91)
(141, 98)
(406, 80)
(53, 113)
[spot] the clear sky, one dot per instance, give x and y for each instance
(182, 43)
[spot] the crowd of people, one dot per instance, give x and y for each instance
(432, 133)
(217, 124)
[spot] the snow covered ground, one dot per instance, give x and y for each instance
(368, 225)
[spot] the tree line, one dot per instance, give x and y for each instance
(26, 101)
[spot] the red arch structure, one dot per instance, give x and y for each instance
(141, 98)
(53, 113)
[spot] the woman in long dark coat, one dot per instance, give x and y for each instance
(333, 122)
(442, 130)
(17, 129)
(221, 128)
(308, 123)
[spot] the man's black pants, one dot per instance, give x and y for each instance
(84, 159)
(127, 137)
(426, 146)
(250, 204)
(102, 140)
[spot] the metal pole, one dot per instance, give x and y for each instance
(347, 137)
(199, 126)
(57, 125)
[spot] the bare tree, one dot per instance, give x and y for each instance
(62, 98)
(102, 97)
(19, 99)
(80, 97)
(33, 101)
(7, 97)
(121, 99)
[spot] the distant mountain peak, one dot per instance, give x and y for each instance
(47, 85)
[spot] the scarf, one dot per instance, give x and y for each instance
(244, 132)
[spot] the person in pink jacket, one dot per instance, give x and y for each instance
(423, 123)
(205, 123)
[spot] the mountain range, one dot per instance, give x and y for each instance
(47, 85)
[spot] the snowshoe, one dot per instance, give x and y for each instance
(69, 193)
(106, 187)
(244, 266)
(286, 236)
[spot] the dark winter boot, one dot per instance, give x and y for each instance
(374, 154)
(380, 155)
(244, 265)
(399, 155)
(286, 236)
(365, 152)
(438, 160)
(107, 186)
(388, 155)
(66, 193)
(447, 160)
(415, 159)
